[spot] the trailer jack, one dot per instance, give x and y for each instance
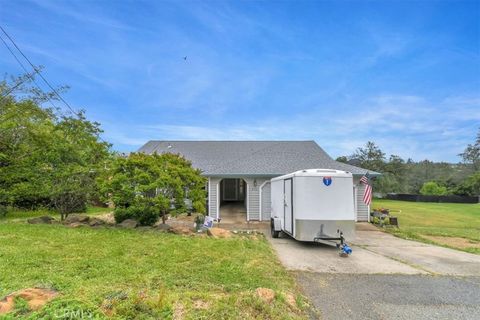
(345, 249)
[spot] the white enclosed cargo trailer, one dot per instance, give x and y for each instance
(313, 205)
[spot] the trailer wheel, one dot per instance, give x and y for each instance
(275, 234)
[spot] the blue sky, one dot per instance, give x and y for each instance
(403, 74)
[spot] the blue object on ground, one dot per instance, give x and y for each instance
(346, 249)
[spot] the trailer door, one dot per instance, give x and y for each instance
(288, 208)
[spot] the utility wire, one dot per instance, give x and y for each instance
(29, 75)
(41, 76)
(4, 95)
(36, 70)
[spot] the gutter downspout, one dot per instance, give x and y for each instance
(260, 199)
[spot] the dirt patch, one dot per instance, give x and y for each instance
(183, 221)
(456, 242)
(219, 233)
(35, 297)
(201, 304)
(181, 230)
(178, 311)
(265, 294)
(290, 298)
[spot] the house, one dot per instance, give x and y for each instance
(240, 171)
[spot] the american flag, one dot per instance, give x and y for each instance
(367, 195)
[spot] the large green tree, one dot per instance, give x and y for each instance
(47, 158)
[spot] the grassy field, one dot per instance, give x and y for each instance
(133, 274)
(448, 224)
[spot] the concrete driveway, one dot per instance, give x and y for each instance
(384, 278)
(391, 296)
(376, 252)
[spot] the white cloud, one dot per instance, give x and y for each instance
(409, 126)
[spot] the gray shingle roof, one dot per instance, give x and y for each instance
(251, 158)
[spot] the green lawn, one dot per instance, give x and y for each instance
(133, 274)
(435, 219)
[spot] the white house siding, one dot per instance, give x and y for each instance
(266, 202)
(362, 208)
(253, 197)
(213, 185)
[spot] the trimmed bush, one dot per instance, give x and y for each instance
(145, 215)
(121, 214)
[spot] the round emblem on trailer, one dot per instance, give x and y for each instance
(327, 181)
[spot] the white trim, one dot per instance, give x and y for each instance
(209, 192)
(248, 202)
(260, 199)
(368, 211)
(355, 205)
(218, 200)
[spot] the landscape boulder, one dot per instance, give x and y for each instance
(265, 294)
(76, 218)
(128, 223)
(95, 222)
(219, 233)
(43, 219)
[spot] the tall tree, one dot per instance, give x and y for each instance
(47, 158)
(370, 157)
(471, 154)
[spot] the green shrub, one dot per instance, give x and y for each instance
(433, 188)
(145, 215)
(121, 214)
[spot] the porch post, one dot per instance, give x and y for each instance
(248, 201)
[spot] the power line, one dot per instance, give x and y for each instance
(36, 70)
(41, 76)
(29, 75)
(4, 95)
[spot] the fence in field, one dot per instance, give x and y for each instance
(423, 198)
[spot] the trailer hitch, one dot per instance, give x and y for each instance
(345, 249)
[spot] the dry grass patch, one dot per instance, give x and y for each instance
(455, 242)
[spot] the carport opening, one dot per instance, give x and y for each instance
(233, 195)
